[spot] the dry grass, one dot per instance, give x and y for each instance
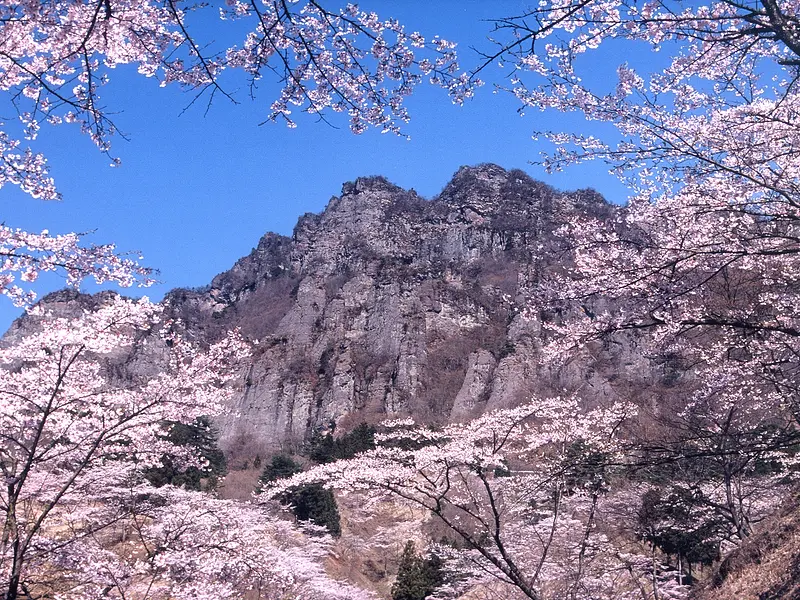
(239, 485)
(766, 566)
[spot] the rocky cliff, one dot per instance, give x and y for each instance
(390, 304)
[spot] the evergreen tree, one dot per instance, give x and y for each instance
(417, 577)
(280, 467)
(677, 524)
(321, 448)
(362, 438)
(324, 449)
(316, 504)
(202, 436)
(308, 503)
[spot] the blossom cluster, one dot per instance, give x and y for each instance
(26, 255)
(57, 55)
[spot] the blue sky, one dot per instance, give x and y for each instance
(197, 190)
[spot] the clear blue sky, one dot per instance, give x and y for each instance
(196, 191)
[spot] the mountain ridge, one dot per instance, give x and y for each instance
(387, 303)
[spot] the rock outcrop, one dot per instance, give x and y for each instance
(390, 304)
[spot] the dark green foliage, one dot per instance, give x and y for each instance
(316, 504)
(691, 524)
(417, 577)
(325, 448)
(320, 448)
(202, 436)
(280, 467)
(502, 470)
(308, 503)
(675, 523)
(585, 468)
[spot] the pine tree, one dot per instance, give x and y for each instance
(321, 448)
(308, 503)
(281, 466)
(202, 436)
(316, 504)
(417, 577)
(324, 449)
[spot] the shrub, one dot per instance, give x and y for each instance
(417, 577)
(202, 436)
(309, 502)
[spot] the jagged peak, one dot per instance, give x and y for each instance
(490, 189)
(363, 194)
(373, 183)
(482, 171)
(272, 240)
(486, 179)
(66, 302)
(71, 295)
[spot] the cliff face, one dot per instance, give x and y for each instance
(387, 304)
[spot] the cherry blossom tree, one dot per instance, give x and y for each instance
(521, 492)
(724, 90)
(84, 403)
(731, 448)
(58, 55)
(707, 143)
(169, 543)
(26, 255)
(74, 430)
(554, 499)
(702, 261)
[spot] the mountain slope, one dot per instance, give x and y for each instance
(387, 303)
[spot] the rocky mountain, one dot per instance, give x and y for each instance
(390, 304)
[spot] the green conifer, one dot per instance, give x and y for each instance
(417, 577)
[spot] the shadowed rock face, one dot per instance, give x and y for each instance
(390, 304)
